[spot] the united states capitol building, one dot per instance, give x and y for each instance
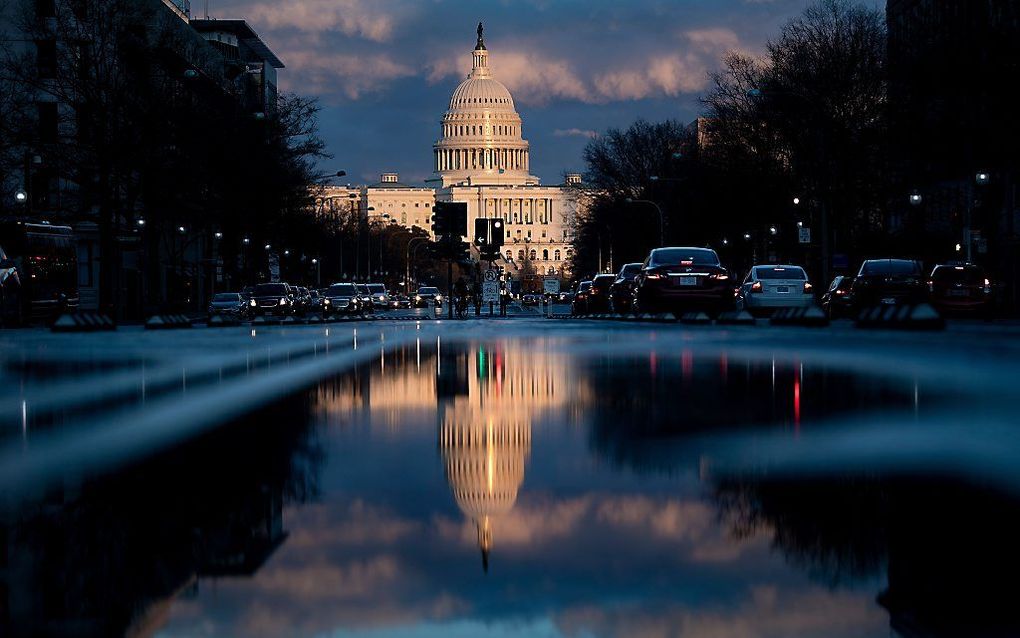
(483, 160)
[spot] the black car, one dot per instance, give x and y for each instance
(579, 305)
(598, 298)
(341, 299)
(380, 298)
(621, 293)
(682, 279)
(961, 288)
(271, 300)
(228, 304)
(836, 302)
(888, 282)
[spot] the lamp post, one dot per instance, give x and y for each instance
(318, 272)
(407, 262)
(658, 210)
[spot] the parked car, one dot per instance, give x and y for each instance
(621, 293)
(836, 302)
(380, 298)
(341, 299)
(566, 297)
(38, 272)
(888, 282)
(302, 300)
(767, 287)
(427, 295)
(531, 299)
(682, 279)
(579, 306)
(228, 304)
(598, 297)
(961, 288)
(271, 300)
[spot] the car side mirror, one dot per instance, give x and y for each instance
(7, 263)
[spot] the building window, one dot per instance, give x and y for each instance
(509, 255)
(520, 255)
(556, 255)
(47, 122)
(46, 59)
(545, 255)
(533, 254)
(543, 234)
(45, 9)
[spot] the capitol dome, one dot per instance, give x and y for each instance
(481, 139)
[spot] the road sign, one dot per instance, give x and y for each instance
(804, 235)
(551, 285)
(491, 275)
(490, 291)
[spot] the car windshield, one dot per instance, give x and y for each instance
(676, 256)
(363, 289)
(603, 280)
(890, 267)
(341, 290)
(263, 290)
(227, 296)
(630, 271)
(428, 291)
(958, 274)
(780, 272)
(377, 288)
(585, 285)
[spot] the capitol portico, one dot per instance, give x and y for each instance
(483, 160)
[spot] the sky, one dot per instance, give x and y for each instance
(384, 70)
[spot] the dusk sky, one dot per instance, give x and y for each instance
(384, 69)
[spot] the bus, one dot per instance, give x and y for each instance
(38, 272)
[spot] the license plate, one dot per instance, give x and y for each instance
(889, 301)
(782, 289)
(687, 281)
(959, 293)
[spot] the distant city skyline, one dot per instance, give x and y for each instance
(384, 71)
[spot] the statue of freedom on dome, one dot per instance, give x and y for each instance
(481, 43)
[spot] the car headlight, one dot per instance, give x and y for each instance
(439, 297)
(251, 302)
(417, 297)
(283, 301)
(325, 302)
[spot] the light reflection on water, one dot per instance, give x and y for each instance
(516, 487)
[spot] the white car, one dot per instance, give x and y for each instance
(768, 287)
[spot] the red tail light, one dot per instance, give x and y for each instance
(807, 287)
(756, 287)
(654, 275)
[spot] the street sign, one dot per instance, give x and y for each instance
(804, 235)
(491, 275)
(551, 285)
(490, 291)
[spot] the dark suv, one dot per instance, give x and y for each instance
(888, 282)
(962, 288)
(621, 293)
(273, 299)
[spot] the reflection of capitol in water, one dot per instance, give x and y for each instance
(486, 398)
(485, 429)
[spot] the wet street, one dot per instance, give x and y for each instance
(517, 477)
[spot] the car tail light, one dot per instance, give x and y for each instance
(719, 276)
(756, 287)
(807, 287)
(654, 275)
(988, 287)
(931, 285)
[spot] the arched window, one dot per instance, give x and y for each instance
(556, 255)
(509, 255)
(520, 255)
(533, 254)
(545, 255)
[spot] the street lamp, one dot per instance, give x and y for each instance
(796, 201)
(246, 241)
(21, 197)
(773, 230)
(217, 234)
(747, 236)
(982, 178)
(407, 262)
(268, 246)
(182, 229)
(318, 273)
(916, 198)
(658, 210)
(140, 221)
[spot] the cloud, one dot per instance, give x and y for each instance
(347, 74)
(365, 19)
(574, 132)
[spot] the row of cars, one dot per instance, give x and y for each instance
(692, 279)
(283, 300)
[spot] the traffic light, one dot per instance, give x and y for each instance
(450, 219)
(489, 237)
